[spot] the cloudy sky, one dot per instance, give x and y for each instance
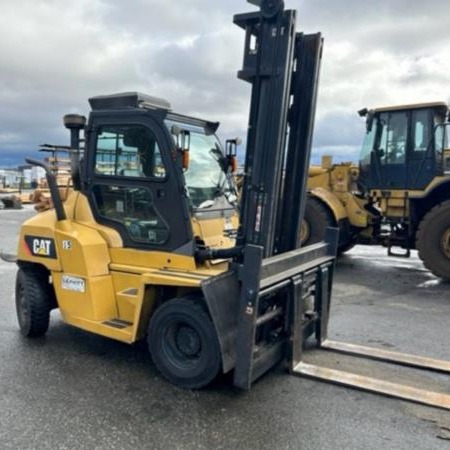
(54, 54)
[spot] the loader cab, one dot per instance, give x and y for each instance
(402, 148)
(137, 176)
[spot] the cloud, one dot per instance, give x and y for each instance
(54, 55)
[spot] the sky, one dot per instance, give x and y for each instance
(55, 54)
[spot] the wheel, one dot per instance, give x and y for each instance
(33, 301)
(315, 222)
(433, 240)
(183, 343)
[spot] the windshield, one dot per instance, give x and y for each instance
(205, 178)
(367, 146)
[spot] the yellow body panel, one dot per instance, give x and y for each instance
(395, 202)
(135, 301)
(82, 251)
(354, 207)
(98, 283)
(83, 215)
(97, 303)
(43, 229)
(151, 259)
(335, 185)
(125, 334)
(211, 231)
(315, 171)
(333, 202)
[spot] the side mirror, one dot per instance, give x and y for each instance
(369, 115)
(185, 147)
(231, 153)
(183, 144)
(176, 130)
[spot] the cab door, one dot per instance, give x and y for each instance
(391, 150)
(134, 184)
(422, 155)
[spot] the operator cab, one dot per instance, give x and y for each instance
(148, 171)
(403, 146)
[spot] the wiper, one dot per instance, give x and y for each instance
(220, 158)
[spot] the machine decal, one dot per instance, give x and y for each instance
(66, 244)
(39, 246)
(75, 284)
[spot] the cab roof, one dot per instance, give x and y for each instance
(123, 100)
(126, 100)
(435, 105)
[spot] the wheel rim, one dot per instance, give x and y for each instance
(304, 231)
(445, 243)
(182, 345)
(188, 341)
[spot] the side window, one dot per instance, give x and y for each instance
(392, 138)
(132, 207)
(442, 130)
(421, 130)
(129, 151)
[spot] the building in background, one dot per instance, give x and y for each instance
(21, 177)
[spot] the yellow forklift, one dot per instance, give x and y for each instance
(397, 195)
(149, 242)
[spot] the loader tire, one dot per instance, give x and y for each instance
(183, 343)
(315, 222)
(433, 240)
(33, 301)
(345, 248)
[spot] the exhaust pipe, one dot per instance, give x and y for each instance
(75, 123)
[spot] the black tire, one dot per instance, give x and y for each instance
(33, 301)
(183, 343)
(433, 240)
(345, 248)
(316, 221)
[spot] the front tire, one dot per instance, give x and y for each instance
(315, 222)
(33, 301)
(433, 240)
(183, 343)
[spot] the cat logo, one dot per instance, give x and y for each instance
(38, 246)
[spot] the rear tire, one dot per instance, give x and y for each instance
(183, 343)
(433, 240)
(33, 301)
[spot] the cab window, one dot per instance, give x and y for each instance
(132, 207)
(128, 151)
(421, 130)
(392, 136)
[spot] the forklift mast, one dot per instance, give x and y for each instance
(276, 278)
(283, 68)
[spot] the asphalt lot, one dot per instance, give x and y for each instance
(73, 390)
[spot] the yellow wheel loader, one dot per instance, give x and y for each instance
(150, 244)
(398, 195)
